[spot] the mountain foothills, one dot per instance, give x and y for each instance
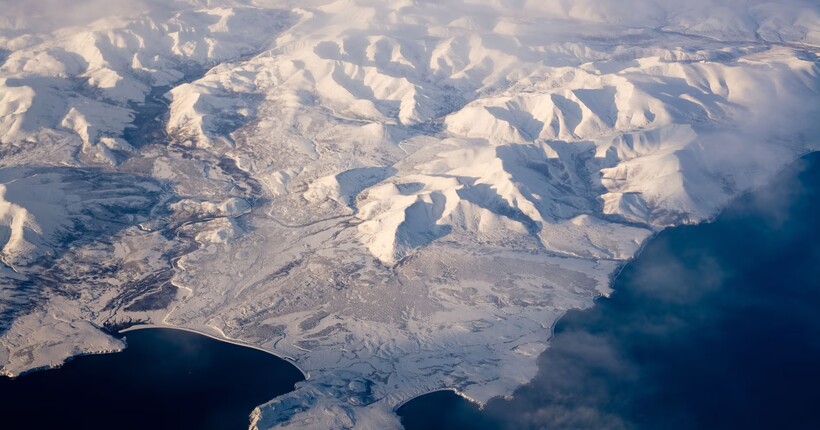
(401, 196)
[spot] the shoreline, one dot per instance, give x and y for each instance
(616, 273)
(283, 357)
(620, 270)
(55, 366)
(120, 334)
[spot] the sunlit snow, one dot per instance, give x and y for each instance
(401, 196)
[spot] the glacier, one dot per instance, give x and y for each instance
(399, 196)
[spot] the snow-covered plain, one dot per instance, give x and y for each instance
(401, 196)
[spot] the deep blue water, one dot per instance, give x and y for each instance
(165, 379)
(714, 326)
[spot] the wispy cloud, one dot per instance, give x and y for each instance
(50, 15)
(698, 330)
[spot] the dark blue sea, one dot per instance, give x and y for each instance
(713, 326)
(165, 379)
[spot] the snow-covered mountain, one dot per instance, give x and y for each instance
(401, 196)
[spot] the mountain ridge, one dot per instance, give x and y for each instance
(401, 196)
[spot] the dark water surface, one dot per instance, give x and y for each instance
(165, 379)
(714, 326)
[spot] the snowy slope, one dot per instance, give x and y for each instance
(400, 196)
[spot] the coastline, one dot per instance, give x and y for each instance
(288, 359)
(550, 337)
(59, 365)
(617, 273)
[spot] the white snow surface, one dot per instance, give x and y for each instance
(400, 196)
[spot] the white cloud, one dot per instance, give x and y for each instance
(49, 15)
